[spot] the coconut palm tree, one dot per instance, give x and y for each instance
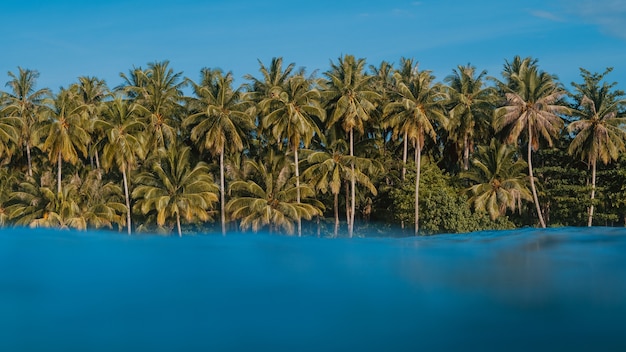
(497, 180)
(331, 167)
(600, 133)
(273, 79)
(23, 101)
(221, 119)
(120, 125)
(414, 113)
(63, 132)
(158, 89)
(470, 108)
(269, 198)
(293, 116)
(172, 188)
(532, 108)
(9, 136)
(91, 92)
(351, 101)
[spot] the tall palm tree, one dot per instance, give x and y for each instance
(173, 188)
(63, 132)
(532, 107)
(330, 167)
(414, 112)
(24, 102)
(268, 197)
(405, 73)
(220, 118)
(471, 106)
(158, 89)
(351, 101)
(600, 133)
(294, 117)
(120, 124)
(497, 180)
(92, 91)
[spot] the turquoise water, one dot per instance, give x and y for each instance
(523, 290)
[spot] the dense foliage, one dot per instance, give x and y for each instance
(361, 147)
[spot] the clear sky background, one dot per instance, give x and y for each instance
(67, 39)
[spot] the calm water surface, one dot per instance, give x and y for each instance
(523, 290)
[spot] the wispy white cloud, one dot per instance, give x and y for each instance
(610, 15)
(546, 15)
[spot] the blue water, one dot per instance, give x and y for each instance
(523, 290)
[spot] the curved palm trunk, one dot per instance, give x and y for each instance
(532, 179)
(222, 197)
(353, 187)
(418, 169)
(128, 219)
(180, 233)
(59, 162)
(295, 157)
(593, 192)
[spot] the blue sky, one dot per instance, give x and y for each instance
(67, 39)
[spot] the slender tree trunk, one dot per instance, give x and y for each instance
(222, 191)
(59, 162)
(347, 204)
(97, 159)
(30, 165)
(295, 157)
(593, 192)
(532, 179)
(418, 169)
(353, 186)
(404, 156)
(336, 203)
(126, 195)
(180, 232)
(466, 149)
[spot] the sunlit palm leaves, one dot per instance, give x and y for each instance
(269, 198)
(173, 189)
(498, 181)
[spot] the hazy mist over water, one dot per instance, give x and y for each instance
(530, 289)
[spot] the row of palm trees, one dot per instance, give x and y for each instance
(143, 155)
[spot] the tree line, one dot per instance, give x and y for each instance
(367, 147)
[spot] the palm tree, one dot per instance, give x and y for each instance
(273, 79)
(159, 91)
(351, 101)
(294, 118)
(172, 188)
(220, 119)
(24, 102)
(471, 106)
(532, 107)
(599, 131)
(9, 136)
(413, 112)
(330, 167)
(268, 197)
(498, 181)
(91, 93)
(63, 132)
(120, 124)
(99, 202)
(407, 71)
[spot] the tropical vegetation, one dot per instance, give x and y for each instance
(292, 152)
